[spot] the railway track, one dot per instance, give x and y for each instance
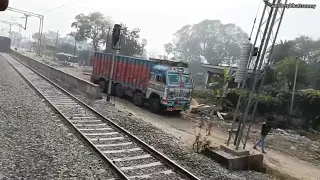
(127, 155)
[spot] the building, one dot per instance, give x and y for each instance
(212, 70)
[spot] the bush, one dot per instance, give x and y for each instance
(207, 94)
(266, 104)
(307, 102)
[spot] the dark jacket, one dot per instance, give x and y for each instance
(265, 129)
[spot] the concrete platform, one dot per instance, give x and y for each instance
(236, 159)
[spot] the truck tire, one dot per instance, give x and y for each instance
(138, 99)
(154, 105)
(119, 90)
(102, 86)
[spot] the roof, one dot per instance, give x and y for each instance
(161, 67)
(170, 62)
(215, 68)
(66, 54)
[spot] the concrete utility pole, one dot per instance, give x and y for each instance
(75, 47)
(258, 73)
(30, 44)
(294, 84)
(56, 46)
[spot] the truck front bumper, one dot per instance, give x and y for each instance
(176, 105)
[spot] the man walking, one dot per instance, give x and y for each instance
(265, 129)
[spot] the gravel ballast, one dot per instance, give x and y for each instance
(34, 142)
(201, 166)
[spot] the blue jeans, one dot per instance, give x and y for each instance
(261, 142)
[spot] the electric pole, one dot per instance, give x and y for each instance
(56, 47)
(275, 8)
(75, 47)
(30, 44)
(294, 84)
(116, 37)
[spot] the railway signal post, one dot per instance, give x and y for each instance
(115, 44)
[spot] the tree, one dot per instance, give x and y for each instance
(51, 35)
(168, 48)
(285, 70)
(98, 28)
(306, 49)
(65, 48)
(282, 50)
(210, 40)
(35, 36)
(93, 26)
(130, 45)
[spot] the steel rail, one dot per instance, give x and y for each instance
(180, 170)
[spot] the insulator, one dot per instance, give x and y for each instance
(243, 62)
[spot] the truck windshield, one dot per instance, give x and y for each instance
(186, 79)
(174, 79)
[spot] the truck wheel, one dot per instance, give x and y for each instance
(138, 99)
(154, 105)
(119, 91)
(102, 86)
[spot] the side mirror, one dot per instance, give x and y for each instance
(3, 5)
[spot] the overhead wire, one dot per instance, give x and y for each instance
(61, 6)
(254, 21)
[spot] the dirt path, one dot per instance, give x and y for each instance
(184, 130)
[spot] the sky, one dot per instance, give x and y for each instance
(159, 20)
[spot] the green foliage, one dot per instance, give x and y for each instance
(92, 26)
(98, 28)
(271, 100)
(130, 44)
(266, 104)
(35, 36)
(304, 47)
(282, 50)
(65, 48)
(208, 94)
(309, 102)
(286, 71)
(202, 141)
(307, 49)
(211, 39)
(168, 48)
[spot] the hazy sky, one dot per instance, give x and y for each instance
(158, 20)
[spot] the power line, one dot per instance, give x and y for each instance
(61, 6)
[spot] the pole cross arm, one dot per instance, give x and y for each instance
(26, 13)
